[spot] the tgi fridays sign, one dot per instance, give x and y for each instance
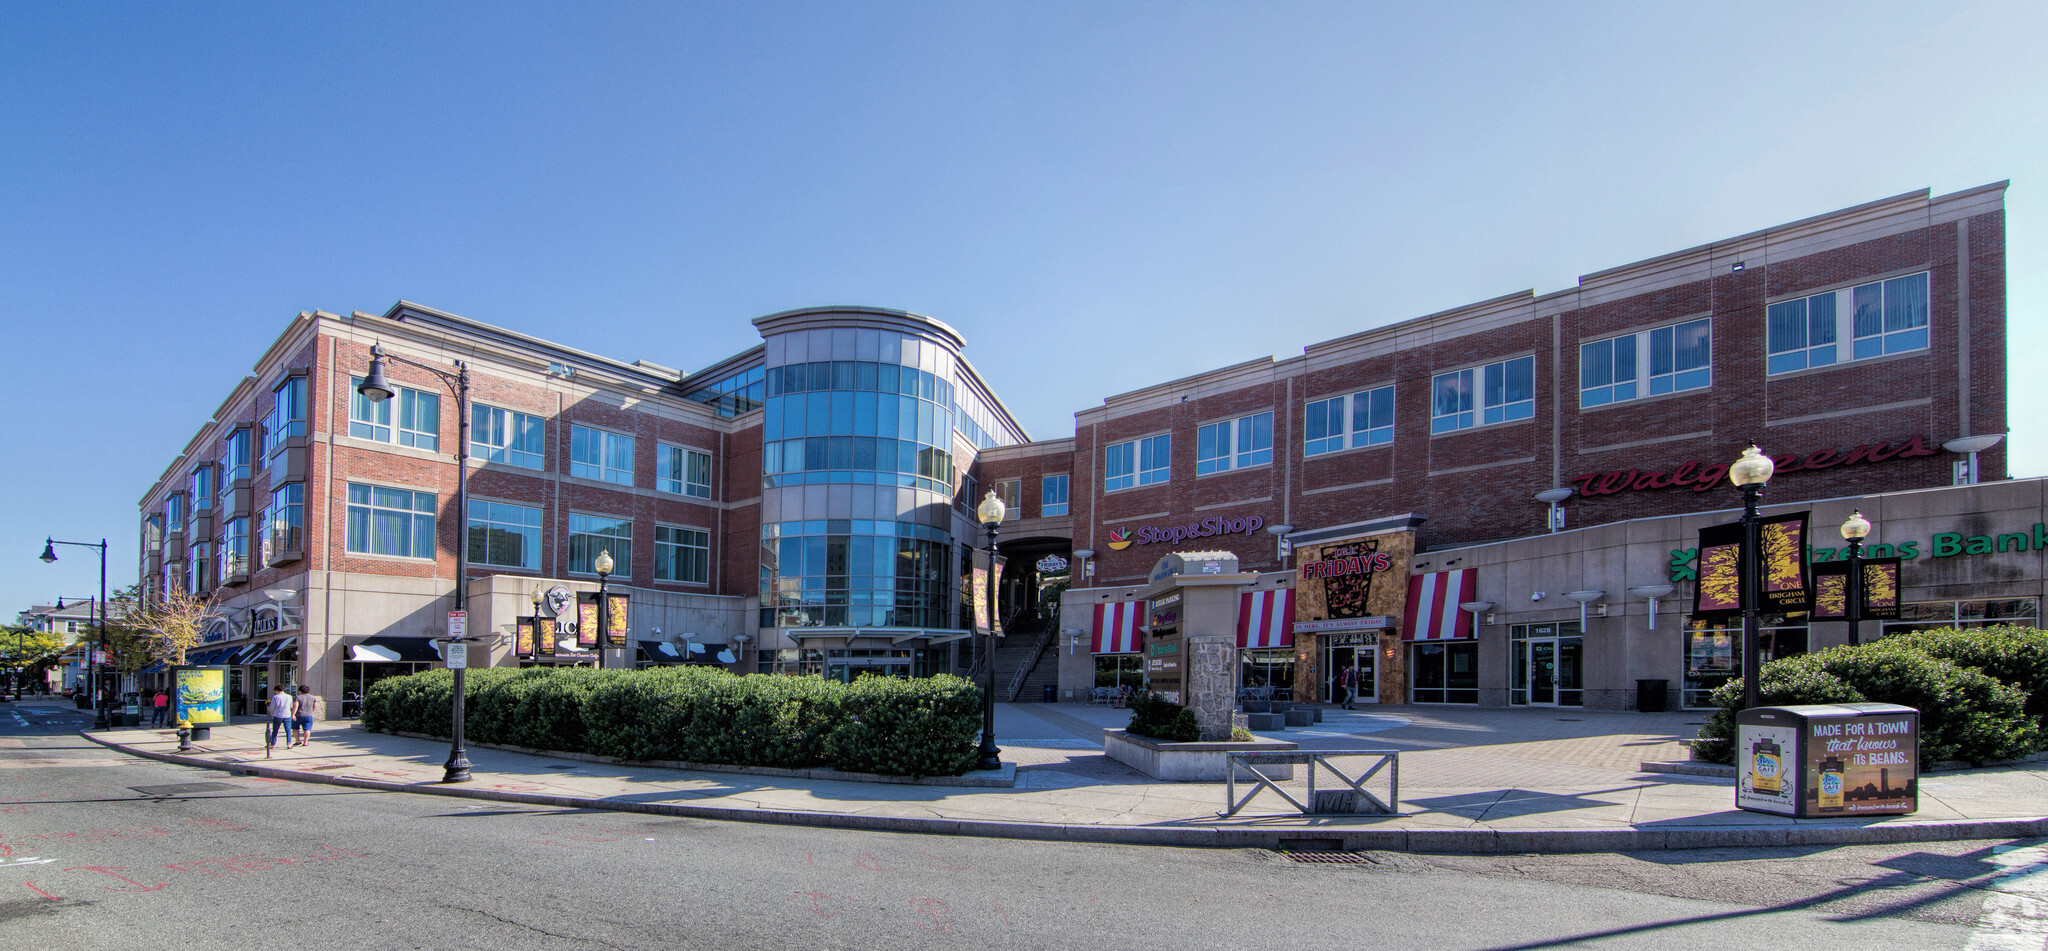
(1352, 584)
(1700, 477)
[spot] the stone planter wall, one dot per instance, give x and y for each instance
(1200, 762)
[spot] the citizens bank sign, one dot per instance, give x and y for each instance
(1122, 538)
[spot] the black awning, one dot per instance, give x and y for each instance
(387, 648)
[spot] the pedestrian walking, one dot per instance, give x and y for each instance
(162, 702)
(1347, 687)
(304, 707)
(280, 720)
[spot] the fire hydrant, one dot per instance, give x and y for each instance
(184, 736)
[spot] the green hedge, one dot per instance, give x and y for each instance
(1965, 713)
(927, 727)
(2015, 656)
(1160, 720)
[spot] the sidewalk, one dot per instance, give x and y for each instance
(1471, 780)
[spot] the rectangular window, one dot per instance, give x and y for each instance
(591, 534)
(1481, 396)
(1877, 318)
(419, 417)
(1669, 359)
(1234, 444)
(199, 569)
(174, 513)
(202, 489)
(1138, 462)
(1011, 492)
(285, 520)
(394, 522)
(1052, 495)
(683, 471)
(597, 454)
(234, 459)
(234, 549)
(502, 435)
(504, 535)
(681, 554)
(1365, 418)
(287, 417)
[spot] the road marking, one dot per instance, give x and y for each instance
(2015, 914)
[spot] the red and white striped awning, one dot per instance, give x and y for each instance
(1433, 613)
(1116, 626)
(1265, 619)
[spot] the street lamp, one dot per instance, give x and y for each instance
(1854, 530)
(99, 694)
(376, 389)
(1750, 474)
(604, 565)
(990, 511)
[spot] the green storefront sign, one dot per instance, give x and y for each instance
(1685, 561)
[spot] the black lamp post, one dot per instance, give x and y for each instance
(99, 693)
(1750, 474)
(991, 512)
(376, 389)
(604, 565)
(1854, 530)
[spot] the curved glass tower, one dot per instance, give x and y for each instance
(868, 415)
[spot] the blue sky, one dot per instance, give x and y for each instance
(1190, 185)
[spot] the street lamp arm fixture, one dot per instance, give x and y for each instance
(99, 695)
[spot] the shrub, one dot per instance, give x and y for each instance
(1964, 713)
(918, 728)
(2014, 656)
(1155, 717)
(699, 714)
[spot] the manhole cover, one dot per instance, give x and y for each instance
(1327, 858)
(180, 789)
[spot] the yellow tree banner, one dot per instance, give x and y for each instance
(1783, 578)
(1719, 593)
(1880, 590)
(524, 639)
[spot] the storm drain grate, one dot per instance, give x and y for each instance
(180, 789)
(1327, 858)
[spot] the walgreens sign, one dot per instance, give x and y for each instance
(1123, 538)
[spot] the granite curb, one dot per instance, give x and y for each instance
(1196, 834)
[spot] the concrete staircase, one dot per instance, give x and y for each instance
(1020, 649)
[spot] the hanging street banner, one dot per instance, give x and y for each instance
(616, 628)
(1719, 593)
(586, 621)
(1880, 590)
(544, 635)
(523, 640)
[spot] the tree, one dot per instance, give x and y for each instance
(162, 630)
(27, 647)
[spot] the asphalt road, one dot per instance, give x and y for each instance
(102, 851)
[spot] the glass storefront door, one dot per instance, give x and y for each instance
(1546, 665)
(1358, 659)
(1713, 651)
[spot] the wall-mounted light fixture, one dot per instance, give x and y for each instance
(1478, 610)
(1584, 598)
(1555, 499)
(1966, 469)
(1651, 592)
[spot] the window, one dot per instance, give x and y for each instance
(199, 569)
(234, 550)
(419, 417)
(234, 460)
(596, 454)
(287, 417)
(683, 471)
(681, 554)
(504, 535)
(285, 520)
(1234, 444)
(202, 489)
(1138, 462)
(1877, 318)
(394, 522)
(1669, 359)
(590, 534)
(174, 512)
(1052, 495)
(1366, 418)
(1011, 492)
(1927, 615)
(1482, 396)
(501, 435)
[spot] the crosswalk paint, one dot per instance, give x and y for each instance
(2015, 916)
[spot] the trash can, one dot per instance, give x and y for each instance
(1828, 760)
(1651, 695)
(1052, 693)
